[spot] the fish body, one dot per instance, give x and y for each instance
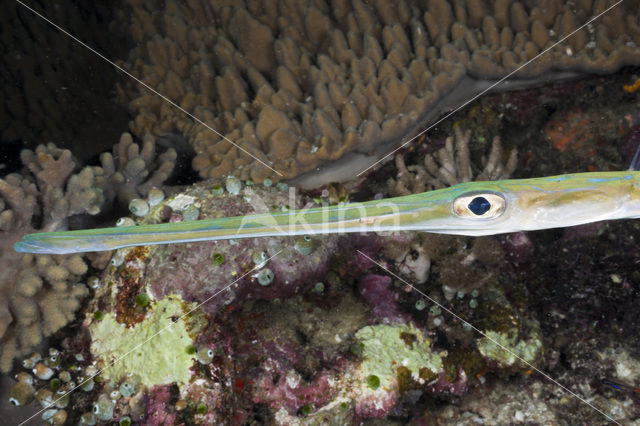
(620, 386)
(471, 208)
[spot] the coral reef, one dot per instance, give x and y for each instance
(290, 343)
(133, 170)
(450, 165)
(41, 293)
(347, 355)
(298, 84)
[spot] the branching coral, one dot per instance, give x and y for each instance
(61, 194)
(40, 296)
(300, 83)
(55, 195)
(49, 164)
(40, 293)
(451, 165)
(131, 171)
(19, 200)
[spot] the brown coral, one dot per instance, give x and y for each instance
(40, 294)
(55, 195)
(131, 171)
(300, 83)
(450, 165)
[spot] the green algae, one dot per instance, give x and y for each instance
(154, 348)
(373, 381)
(527, 349)
(218, 259)
(387, 347)
(142, 300)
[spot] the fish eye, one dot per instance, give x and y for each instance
(485, 205)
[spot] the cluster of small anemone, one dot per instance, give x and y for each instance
(52, 380)
(112, 394)
(140, 207)
(56, 380)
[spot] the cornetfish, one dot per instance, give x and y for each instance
(470, 208)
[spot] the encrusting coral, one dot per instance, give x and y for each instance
(151, 361)
(301, 83)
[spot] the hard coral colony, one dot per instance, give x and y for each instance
(295, 330)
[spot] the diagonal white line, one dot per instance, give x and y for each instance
(533, 367)
(491, 87)
(112, 363)
(166, 99)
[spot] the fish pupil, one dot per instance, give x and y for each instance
(479, 206)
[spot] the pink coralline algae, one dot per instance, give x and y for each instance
(457, 388)
(292, 393)
(375, 289)
(191, 271)
(160, 409)
(518, 247)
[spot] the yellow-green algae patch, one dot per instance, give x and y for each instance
(163, 337)
(385, 348)
(527, 349)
